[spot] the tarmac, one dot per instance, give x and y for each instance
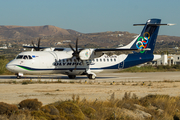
(101, 77)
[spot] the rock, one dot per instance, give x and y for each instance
(142, 115)
(140, 107)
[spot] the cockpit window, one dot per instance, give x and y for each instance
(25, 57)
(19, 57)
(29, 57)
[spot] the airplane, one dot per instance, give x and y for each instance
(89, 61)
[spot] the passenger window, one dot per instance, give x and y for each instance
(111, 60)
(29, 57)
(108, 60)
(100, 60)
(96, 60)
(115, 60)
(19, 57)
(25, 57)
(104, 60)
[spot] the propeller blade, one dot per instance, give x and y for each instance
(77, 44)
(71, 47)
(38, 44)
(33, 45)
(75, 65)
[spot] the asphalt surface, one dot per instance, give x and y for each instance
(101, 77)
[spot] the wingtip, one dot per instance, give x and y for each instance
(170, 24)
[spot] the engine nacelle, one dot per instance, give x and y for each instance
(87, 54)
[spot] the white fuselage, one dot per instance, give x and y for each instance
(59, 62)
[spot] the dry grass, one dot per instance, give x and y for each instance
(130, 107)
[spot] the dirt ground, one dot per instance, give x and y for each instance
(52, 92)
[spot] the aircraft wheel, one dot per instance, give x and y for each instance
(18, 77)
(72, 76)
(91, 76)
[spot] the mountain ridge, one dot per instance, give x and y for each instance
(22, 32)
(51, 35)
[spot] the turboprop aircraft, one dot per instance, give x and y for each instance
(77, 61)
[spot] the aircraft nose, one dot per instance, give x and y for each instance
(10, 67)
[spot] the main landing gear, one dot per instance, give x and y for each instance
(91, 76)
(72, 76)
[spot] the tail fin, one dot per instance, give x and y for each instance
(147, 38)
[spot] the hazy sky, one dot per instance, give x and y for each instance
(90, 16)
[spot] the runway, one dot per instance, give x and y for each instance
(101, 77)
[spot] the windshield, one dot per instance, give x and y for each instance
(24, 57)
(19, 57)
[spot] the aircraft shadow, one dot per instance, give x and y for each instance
(49, 77)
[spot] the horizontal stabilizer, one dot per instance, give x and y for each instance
(146, 49)
(169, 24)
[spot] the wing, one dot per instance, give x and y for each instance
(46, 48)
(120, 49)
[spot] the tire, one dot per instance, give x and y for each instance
(72, 76)
(91, 76)
(18, 77)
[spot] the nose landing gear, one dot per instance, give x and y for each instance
(19, 75)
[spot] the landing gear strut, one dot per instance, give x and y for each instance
(72, 76)
(19, 75)
(91, 76)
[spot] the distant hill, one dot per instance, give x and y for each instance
(51, 35)
(22, 32)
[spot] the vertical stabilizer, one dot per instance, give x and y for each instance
(147, 38)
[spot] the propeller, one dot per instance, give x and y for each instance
(75, 53)
(36, 48)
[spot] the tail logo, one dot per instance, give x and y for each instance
(143, 41)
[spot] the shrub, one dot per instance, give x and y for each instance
(88, 111)
(69, 110)
(31, 104)
(126, 96)
(50, 109)
(40, 115)
(25, 82)
(176, 116)
(20, 117)
(7, 108)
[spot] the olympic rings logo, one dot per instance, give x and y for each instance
(143, 41)
(86, 54)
